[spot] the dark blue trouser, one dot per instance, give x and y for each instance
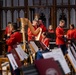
(63, 48)
(39, 54)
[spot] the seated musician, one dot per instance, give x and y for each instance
(41, 25)
(31, 36)
(13, 39)
(45, 40)
(6, 34)
(70, 32)
(50, 30)
(51, 33)
(7, 31)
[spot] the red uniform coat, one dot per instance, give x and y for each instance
(74, 34)
(31, 36)
(15, 38)
(59, 36)
(7, 30)
(70, 33)
(43, 28)
(51, 31)
(45, 41)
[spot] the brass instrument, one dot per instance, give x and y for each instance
(37, 38)
(25, 21)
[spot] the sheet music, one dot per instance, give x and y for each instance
(12, 61)
(73, 51)
(52, 42)
(58, 55)
(72, 58)
(34, 46)
(74, 45)
(21, 53)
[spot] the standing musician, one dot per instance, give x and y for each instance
(60, 37)
(13, 39)
(70, 32)
(74, 35)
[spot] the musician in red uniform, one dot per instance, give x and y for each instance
(50, 30)
(60, 37)
(42, 25)
(31, 36)
(7, 30)
(70, 32)
(44, 39)
(74, 35)
(7, 33)
(13, 39)
(51, 33)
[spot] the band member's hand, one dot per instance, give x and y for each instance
(65, 36)
(40, 29)
(8, 34)
(27, 21)
(24, 21)
(4, 39)
(69, 41)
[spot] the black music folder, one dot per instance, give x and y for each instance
(39, 44)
